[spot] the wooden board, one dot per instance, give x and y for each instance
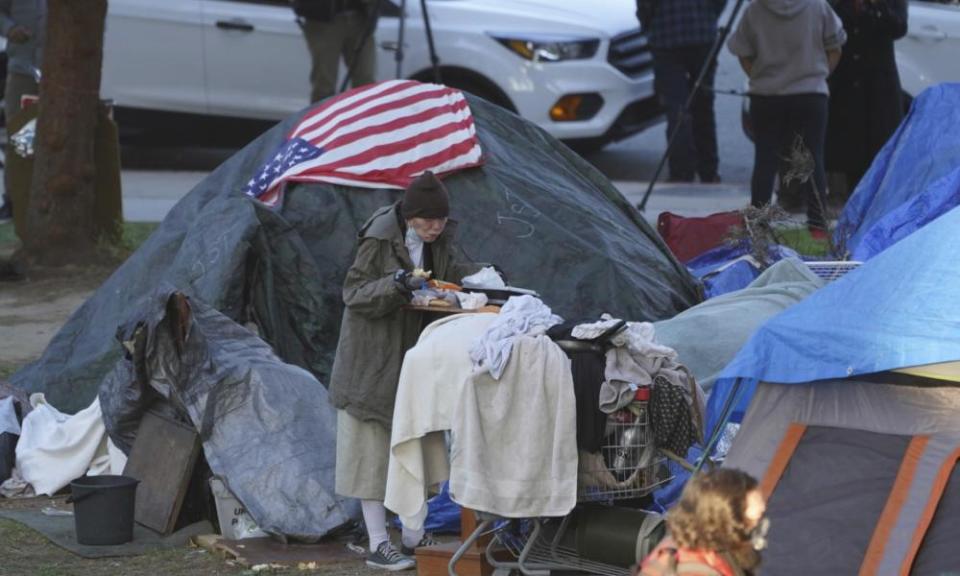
(439, 310)
(162, 458)
(447, 311)
(435, 560)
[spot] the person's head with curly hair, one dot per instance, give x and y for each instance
(718, 512)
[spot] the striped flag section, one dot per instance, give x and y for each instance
(381, 135)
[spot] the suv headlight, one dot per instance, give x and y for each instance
(549, 49)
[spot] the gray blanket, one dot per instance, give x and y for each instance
(710, 334)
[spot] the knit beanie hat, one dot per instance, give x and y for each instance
(426, 197)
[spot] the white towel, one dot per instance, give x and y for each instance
(521, 315)
(514, 450)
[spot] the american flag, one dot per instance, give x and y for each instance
(381, 135)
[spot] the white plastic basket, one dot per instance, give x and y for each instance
(832, 270)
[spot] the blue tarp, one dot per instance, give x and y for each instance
(914, 179)
(897, 310)
(729, 268)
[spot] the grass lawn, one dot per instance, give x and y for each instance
(25, 552)
(800, 240)
(134, 234)
(7, 238)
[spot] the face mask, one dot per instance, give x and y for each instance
(758, 536)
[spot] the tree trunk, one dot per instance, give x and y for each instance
(60, 218)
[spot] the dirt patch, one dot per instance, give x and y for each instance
(26, 552)
(33, 310)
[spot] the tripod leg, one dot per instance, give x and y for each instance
(367, 34)
(401, 29)
(434, 60)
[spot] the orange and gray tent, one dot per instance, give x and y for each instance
(853, 424)
(861, 474)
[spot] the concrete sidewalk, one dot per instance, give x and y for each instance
(686, 199)
(149, 195)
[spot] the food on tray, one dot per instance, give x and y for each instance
(443, 285)
(489, 308)
(438, 303)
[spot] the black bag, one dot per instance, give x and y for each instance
(8, 454)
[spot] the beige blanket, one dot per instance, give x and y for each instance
(431, 382)
(514, 450)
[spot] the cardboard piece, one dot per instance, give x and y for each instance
(162, 458)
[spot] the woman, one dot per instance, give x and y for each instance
(788, 48)
(716, 529)
(866, 102)
(375, 334)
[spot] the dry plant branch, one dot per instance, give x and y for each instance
(801, 168)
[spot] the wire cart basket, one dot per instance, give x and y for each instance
(627, 466)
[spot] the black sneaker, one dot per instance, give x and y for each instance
(387, 558)
(425, 541)
(6, 212)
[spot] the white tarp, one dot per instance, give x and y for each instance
(55, 448)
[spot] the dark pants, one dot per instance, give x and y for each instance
(777, 123)
(675, 72)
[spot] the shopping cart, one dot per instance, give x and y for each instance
(627, 466)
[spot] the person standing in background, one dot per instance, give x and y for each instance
(335, 29)
(866, 101)
(681, 34)
(788, 49)
(23, 23)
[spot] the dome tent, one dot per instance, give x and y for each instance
(550, 220)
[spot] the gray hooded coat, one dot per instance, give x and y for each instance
(376, 332)
(787, 41)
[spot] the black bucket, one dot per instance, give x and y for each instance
(103, 509)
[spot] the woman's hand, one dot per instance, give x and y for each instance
(407, 282)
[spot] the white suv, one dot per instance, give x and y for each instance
(581, 70)
(929, 52)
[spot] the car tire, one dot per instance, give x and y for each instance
(469, 81)
(587, 146)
